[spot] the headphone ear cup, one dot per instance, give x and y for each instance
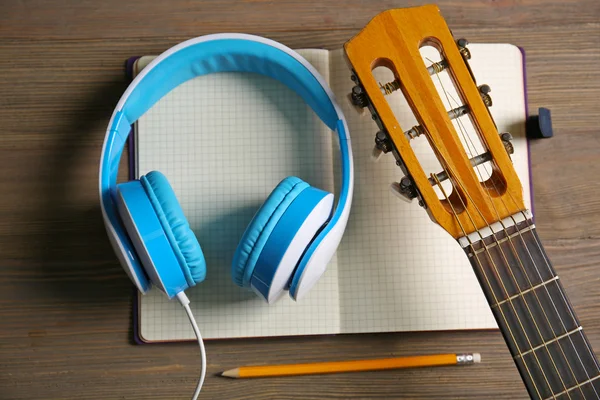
(149, 239)
(259, 229)
(177, 229)
(277, 236)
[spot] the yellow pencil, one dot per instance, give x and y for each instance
(352, 366)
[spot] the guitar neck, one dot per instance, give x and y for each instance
(535, 317)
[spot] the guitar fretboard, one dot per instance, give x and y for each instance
(535, 317)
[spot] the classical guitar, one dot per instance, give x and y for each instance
(476, 198)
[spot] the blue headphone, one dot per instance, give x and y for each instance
(293, 235)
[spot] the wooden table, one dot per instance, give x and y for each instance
(66, 305)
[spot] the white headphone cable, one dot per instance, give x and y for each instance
(185, 302)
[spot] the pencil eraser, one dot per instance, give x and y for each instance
(476, 358)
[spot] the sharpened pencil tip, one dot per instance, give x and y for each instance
(231, 373)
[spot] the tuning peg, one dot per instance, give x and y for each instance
(484, 91)
(466, 55)
(382, 142)
(506, 138)
(462, 42)
(462, 47)
(359, 97)
(361, 111)
(437, 67)
(382, 145)
(389, 87)
(475, 161)
(404, 189)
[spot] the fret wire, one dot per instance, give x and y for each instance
(443, 164)
(494, 244)
(510, 299)
(539, 285)
(531, 313)
(568, 306)
(507, 293)
(565, 301)
(527, 276)
(576, 330)
(579, 385)
(508, 238)
(520, 234)
(490, 286)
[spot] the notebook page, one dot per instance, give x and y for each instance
(398, 270)
(225, 141)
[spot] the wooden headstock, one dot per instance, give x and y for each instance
(393, 39)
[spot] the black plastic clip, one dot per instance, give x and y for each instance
(539, 126)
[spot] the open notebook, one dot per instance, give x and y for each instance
(226, 140)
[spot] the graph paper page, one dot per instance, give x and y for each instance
(398, 270)
(225, 141)
(395, 269)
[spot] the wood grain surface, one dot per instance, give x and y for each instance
(66, 304)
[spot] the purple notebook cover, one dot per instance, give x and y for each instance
(129, 64)
(528, 141)
(131, 175)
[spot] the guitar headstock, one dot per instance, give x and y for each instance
(393, 40)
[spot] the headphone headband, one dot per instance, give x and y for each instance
(226, 53)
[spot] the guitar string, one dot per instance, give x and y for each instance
(471, 148)
(571, 312)
(485, 275)
(463, 130)
(514, 251)
(508, 297)
(564, 299)
(487, 278)
(475, 254)
(445, 167)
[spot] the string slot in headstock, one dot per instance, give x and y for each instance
(478, 159)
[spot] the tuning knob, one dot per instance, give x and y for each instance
(359, 97)
(404, 190)
(484, 91)
(506, 138)
(382, 142)
(382, 145)
(462, 47)
(361, 111)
